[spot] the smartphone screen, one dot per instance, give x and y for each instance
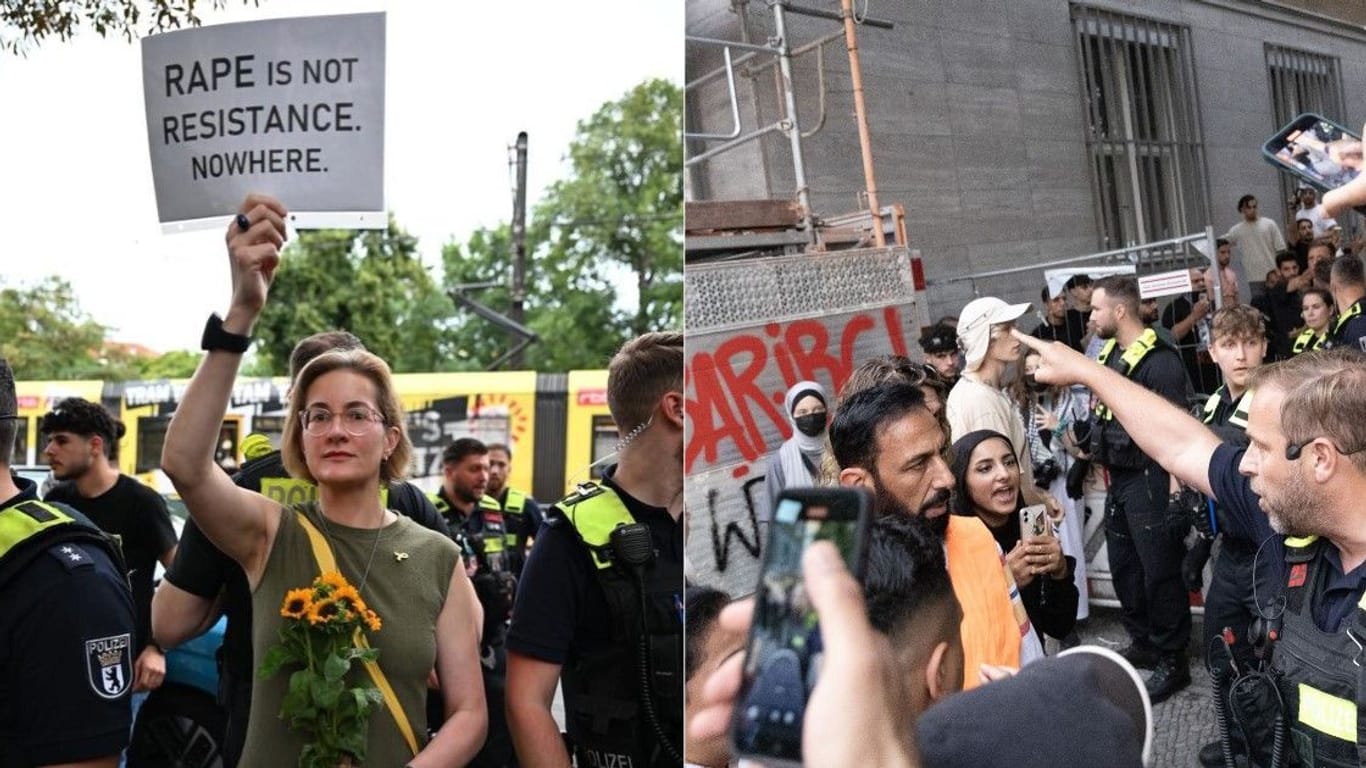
(783, 659)
(1316, 150)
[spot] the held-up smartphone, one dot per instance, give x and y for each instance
(1316, 150)
(783, 657)
(1034, 521)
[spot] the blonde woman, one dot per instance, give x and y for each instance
(345, 433)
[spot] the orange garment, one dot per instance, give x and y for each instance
(990, 629)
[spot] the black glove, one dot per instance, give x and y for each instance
(1193, 565)
(1187, 508)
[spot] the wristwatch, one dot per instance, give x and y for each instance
(217, 338)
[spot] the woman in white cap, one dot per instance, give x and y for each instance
(797, 463)
(978, 400)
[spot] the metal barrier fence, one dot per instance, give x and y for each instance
(946, 296)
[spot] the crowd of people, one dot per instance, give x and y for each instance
(479, 601)
(1224, 431)
(1154, 408)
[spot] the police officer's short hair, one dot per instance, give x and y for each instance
(1325, 396)
(1347, 270)
(500, 447)
(861, 417)
(310, 347)
(82, 417)
(9, 414)
(1121, 289)
(1238, 321)
(641, 372)
(462, 447)
(392, 469)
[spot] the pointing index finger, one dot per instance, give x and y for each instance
(1038, 345)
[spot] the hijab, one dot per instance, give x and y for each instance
(801, 452)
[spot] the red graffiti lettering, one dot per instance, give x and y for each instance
(711, 406)
(892, 317)
(814, 356)
(734, 389)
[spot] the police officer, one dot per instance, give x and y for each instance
(522, 515)
(1297, 487)
(1349, 295)
(1238, 346)
(599, 606)
(183, 605)
(67, 634)
(1145, 558)
(466, 507)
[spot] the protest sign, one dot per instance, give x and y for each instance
(293, 108)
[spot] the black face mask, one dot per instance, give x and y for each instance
(811, 424)
(1033, 384)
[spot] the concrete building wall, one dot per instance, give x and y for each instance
(976, 117)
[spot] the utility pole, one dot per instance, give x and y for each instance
(519, 244)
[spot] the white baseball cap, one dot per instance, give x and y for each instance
(974, 326)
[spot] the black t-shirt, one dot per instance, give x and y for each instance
(1071, 332)
(137, 515)
(1078, 319)
(66, 656)
(202, 569)
(560, 605)
(1204, 377)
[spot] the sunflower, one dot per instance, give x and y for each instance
(372, 620)
(324, 611)
(297, 603)
(332, 579)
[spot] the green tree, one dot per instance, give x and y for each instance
(623, 203)
(44, 333)
(370, 283)
(176, 364)
(616, 218)
(29, 22)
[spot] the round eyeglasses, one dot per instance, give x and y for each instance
(356, 420)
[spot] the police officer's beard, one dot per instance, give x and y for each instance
(1295, 510)
(885, 504)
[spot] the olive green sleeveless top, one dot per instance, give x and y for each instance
(409, 577)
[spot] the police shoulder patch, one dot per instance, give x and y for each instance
(109, 665)
(71, 556)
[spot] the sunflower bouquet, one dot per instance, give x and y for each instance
(319, 638)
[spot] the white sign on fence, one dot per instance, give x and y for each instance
(1164, 284)
(288, 107)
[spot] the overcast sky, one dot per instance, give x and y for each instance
(462, 80)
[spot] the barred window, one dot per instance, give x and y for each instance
(1142, 127)
(1302, 82)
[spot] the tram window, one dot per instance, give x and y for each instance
(151, 437)
(21, 444)
(604, 441)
